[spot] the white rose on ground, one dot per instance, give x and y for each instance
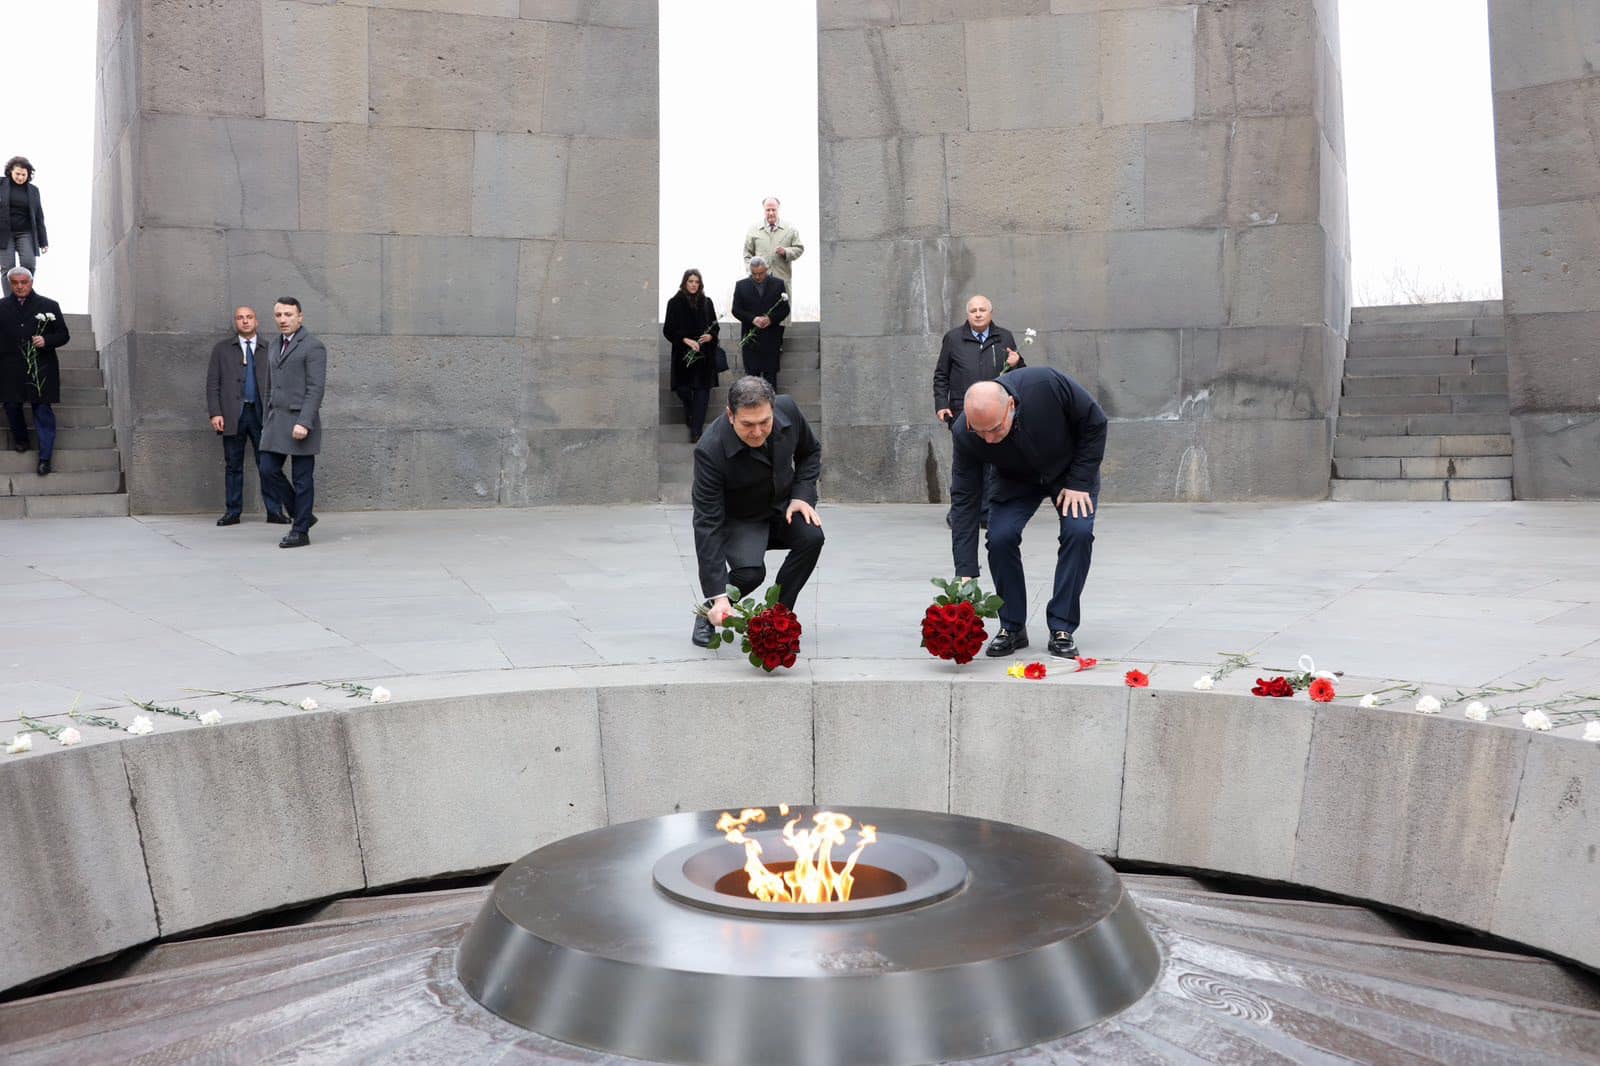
(1592, 732)
(141, 725)
(308, 704)
(20, 743)
(1537, 720)
(1477, 711)
(211, 717)
(381, 695)
(1370, 700)
(1429, 705)
(1206, 683)
(68, 737)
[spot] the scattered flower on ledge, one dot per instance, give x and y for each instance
(20, 743)
(1429, 705)
(308, 704)
(1370, 700)
(1537, 719)
(141, 725)
(211, 717)
(1591, 732)
(68, 737)
(381, 695)
(1027, 671)
(1322, 691)
(1277, 687)
(1136, 679)
(1086, 663)
(1205, 683)
(1477, 711)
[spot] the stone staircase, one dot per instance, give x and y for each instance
(1424, 412)
(800, 377)
(86, 470)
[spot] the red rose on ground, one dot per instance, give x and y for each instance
(1276, 687)
(1086, 664)
(1136, 679)
(1033, 671)
(1322, 690)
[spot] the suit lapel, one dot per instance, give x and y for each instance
(280, 353)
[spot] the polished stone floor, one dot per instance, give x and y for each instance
(1449, 595)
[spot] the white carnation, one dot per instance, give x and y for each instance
(20, 743)
(1429, 705)
(1205, 683)
(211, 717)
(141, 725)
(1477, 711)
(68, 737)
(1369, 700)
(308, 704)
(1537, 719)
(1591, 731)
(381, 695)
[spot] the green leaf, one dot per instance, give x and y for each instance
(727, 636)
(747, 604)
(716, 641)
(772, 595)
(755, 660)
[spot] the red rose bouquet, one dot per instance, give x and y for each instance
(952, 627)
(770, 631)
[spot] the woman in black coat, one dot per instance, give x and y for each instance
(22, 234)
(692, 328)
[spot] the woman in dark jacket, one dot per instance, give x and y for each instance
(22, 234)
(691, 326)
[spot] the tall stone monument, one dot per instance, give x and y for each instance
(1544, 55)
(461, 192)
(1157, 187)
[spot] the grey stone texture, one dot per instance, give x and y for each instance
(1546, 101)
(1158, 188)
(883, 744)
(461, 193)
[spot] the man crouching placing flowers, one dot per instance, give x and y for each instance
(755, 490)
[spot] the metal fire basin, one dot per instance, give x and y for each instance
(618, 940)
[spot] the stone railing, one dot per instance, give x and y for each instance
(118, 841)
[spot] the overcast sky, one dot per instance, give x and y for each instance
(1419, 138)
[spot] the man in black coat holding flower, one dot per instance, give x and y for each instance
(761, 304)
(30, 321)
(1045, 436)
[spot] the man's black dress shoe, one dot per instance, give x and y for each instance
(1005, 642)
(228, 520)
(278, 519)
(20, 446)
(703, 632)
(44, 468)
(1062, 646)
(295, 540)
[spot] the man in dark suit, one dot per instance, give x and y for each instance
(297, 375)
(761, 303)
(755, 489)
(977, 350)
(26, 318)
(1045, 436)
(236, 385)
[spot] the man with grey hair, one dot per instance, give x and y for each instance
(761, 304)
(755, 490)
(775, 241)
(32, 327)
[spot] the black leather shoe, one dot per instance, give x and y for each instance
(44, 468)
(228, 520)
(278, 519)
(1062, 646)
(1005, 642)
(703, 632)
(295, 540)
(20, 446)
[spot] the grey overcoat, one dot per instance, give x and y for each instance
(295, 380)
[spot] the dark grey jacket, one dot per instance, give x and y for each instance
(225, 379)
(295, 380)
(963, 362)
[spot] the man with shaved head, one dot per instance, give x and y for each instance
(235, 386)
(977, 350)
(1044, 436)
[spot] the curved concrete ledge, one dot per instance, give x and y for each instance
(123, 839)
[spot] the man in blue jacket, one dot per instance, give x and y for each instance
(1045, 436)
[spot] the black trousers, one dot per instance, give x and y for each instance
(233, 461)
(747, 567)
(695, 403)
(296, 500)
(1074, 549)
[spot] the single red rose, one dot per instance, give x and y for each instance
(1033, 671)
(1277, 687)
(1085, 663)
(1322, 690)
(788, 660)
(1136, 679)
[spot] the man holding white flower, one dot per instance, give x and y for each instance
(977, 350)
(761, 304)
(32, 327)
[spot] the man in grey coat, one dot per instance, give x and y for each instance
(236, 385)
(297, 373)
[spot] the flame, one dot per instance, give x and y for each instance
(814, 879)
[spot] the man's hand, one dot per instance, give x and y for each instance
(38, 341)
(783, 253)
(301, 432)
(719, 612)
(217, 423)
(693, 344)
(1012, 358)
(946, 415)
(1074, 504)
(43, 250)
(804, 510)
(761, 321)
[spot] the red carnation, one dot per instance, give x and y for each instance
(1085, 663)
(1136, 679)
(1276, 687)
(1033, 671)
(1322, 690)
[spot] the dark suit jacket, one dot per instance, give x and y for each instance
(17, 327)
(963, 362)
(738, 490)
(1057, 440)
(761, 353)
(35, 207)
(225, 379)
(295, 380)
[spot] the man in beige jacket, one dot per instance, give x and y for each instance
(775, 241)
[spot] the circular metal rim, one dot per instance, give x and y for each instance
(949, 876)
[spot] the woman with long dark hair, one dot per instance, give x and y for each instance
(22, 233)
(691, 326)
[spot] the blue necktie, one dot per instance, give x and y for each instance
(250, 372)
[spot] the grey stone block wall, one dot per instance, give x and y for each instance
(464, 199)
(1157, 187)
(1543, 55)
